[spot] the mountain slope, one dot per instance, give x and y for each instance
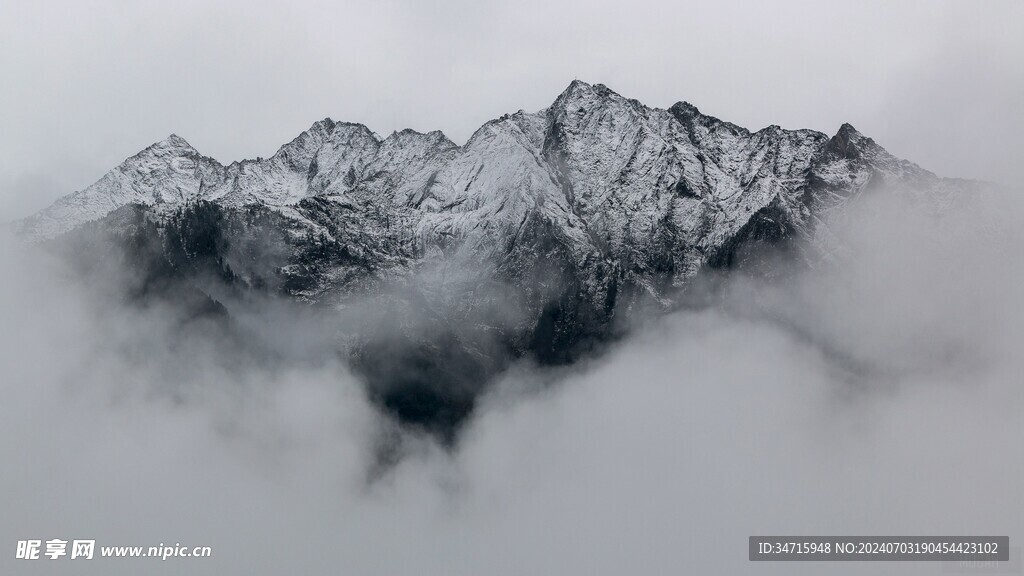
(531, 239)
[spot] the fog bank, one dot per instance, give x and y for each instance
(876, 394)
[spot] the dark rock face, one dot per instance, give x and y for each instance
(534, 239)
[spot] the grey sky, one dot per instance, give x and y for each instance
(87, 84)
(900, 414)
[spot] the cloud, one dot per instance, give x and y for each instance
(877, 396)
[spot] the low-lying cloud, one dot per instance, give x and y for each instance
(876, 394)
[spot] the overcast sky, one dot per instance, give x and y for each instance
(87, 84)
(881, 396)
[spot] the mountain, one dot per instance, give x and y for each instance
(534, 238)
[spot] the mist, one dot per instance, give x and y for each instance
(877, 392)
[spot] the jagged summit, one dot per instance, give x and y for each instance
(847, 129)
(325, 124)
(847, 142)
(574, 87)
(533, 238)
(592, 145)
(579, 94)
(173, 141)
(683, 108)
(173, 144)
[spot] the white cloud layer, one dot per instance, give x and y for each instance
(880, 397)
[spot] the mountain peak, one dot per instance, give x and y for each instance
(173, 142)
(325, 125)
(576, 90)
(579, 90)
(848, 131)
(583, 96)
(685, 108)
(553, 224)
(686, 113)
(576, 85)
(594, 141)
(849, 143)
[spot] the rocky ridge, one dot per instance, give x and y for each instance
(532, 238)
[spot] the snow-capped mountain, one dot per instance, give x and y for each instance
(593, 160)
(531, 238)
